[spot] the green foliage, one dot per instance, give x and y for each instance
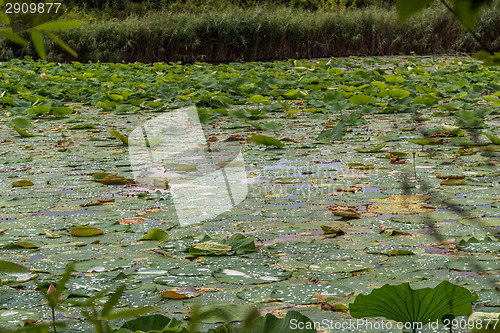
(406, 305)
(119, 136)
(236, 244)
(457, 80)
(256, 33)
(37, 25)
(466, 11)
(20, 125)
(372, 149)
(156, 234)
(468, 119)
(152, 322)
(266, 141)
(140, 7)
(333, 134)
(485, 322)
(270, 323)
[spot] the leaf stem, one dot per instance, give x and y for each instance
(54, 318)
(476, 37)
(414, 166)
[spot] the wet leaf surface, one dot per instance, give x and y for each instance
(337, 129)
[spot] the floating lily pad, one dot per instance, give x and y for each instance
(156, 234)
(372, 149)
(85, 231)
(185, 281)
(472, 265)
(22, 183)
(470, 201)
(399, 208)
(225, 313)
(236, 244)
(394, 250)
(12, 272)
(251, 274)
(304, 294)
(342, 266)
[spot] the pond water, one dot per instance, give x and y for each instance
(410, 225)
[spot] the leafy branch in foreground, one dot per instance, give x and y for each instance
(37, 25)
(466, 11)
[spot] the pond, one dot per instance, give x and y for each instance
(382, 175)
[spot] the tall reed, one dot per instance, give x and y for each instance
(237, 34)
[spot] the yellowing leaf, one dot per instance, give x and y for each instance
(21, 183)
(172, 295)
(212, 247)
(453, 182)
(347, 212)
(119, 136)
(133, 220)
(85, 231)
(332, 230)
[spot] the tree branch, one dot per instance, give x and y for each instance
(476, 37)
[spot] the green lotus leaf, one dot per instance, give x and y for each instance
(495, 140)
(21, 123)
(406, 305)
(259, 99)
(372, 149)
(469, 119)
(10, 271)
(236, 244)
(294, 322)
(353, 119)
(455, 130)
(427, 99)
(119, 136)
(485, 322)
(224, 313)
(362, 99)
(333, 134)
(61, 111)
(156, 234)
(153, 322)
(212, 247)
(22, 132)
(40, 109)
(268, 126)
(398, 93)
(251, 274)
(266, 141)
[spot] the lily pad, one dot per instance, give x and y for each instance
(342, 266)
(406, 305)
(12, 272)
(156, 234)
(85, 231)
(251, 274)
(372, 149)
(22, 183)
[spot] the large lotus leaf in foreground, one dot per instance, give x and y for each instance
(405, 305)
